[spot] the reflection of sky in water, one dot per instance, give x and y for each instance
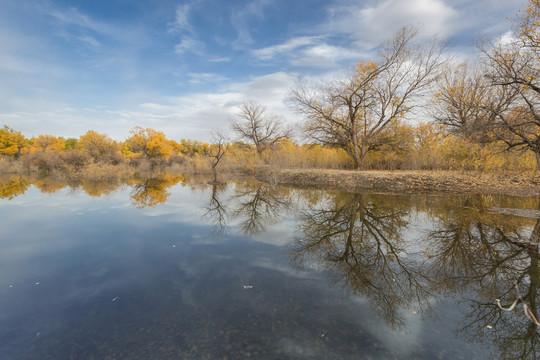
(84, 277)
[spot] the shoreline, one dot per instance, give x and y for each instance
(525, 184)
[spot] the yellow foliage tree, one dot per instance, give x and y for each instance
(47, 143)
(148, 143)
(99, 146)
(11, 142)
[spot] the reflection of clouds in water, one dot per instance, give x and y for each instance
(404, 342)
(268, 263)
(279, 234)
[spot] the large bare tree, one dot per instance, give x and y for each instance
(359, 111)
(514, 67)
(257, 126)
(467, 104)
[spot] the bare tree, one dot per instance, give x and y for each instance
(257, 126)
(514, 67)
(218, 148)
(357, 113)
(467, 104)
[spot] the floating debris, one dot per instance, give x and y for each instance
(80, 213)
(414, 312)
(528, 313)
(248, 286)
(323, 335)
(37, 283)
(489, 327)
(116, 298)
(174, 246)
(37, 334)
(10, 286)
(509, 308)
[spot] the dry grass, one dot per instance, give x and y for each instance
(8, 166)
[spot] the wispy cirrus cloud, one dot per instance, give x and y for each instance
(287, 47)
(189, 44)
(181, 20)
(205, 78)
(241, 19)
(309, 51)
(222, 59)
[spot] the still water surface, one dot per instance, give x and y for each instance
(175, 268)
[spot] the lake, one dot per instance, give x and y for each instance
(176, 268)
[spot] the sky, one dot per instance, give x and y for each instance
(185, 67)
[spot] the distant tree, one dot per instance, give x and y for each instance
(71, 143)
(357, 112)
(99, 146)
(218, 148)
(257, 126)
(148, 143)
(11, 142)
(47, 143)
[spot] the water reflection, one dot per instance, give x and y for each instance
(423, 255)
(360, 238)
(257, 205)
(12, 186)
(153, 190)
(215, 211)
(489, 257)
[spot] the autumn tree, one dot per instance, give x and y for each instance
(71, 143)
(11, 142)
(148, 143)
(99, 146)
(513, 70)
(460, 100)
(47, 143)
(357, 111)
(257, 126)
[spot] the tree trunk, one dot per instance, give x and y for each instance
(214, 171)
(537, 154)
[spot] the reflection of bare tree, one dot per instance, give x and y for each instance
(359, 236)
(215, 210)
(486, 255)
(259, 204)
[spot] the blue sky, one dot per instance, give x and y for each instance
(184, 67)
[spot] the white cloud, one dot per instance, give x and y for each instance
(269, 90)
(506, 39)
(72, 17)
(309, 51)
(224, 59)
(285, 48)
(188, 116)
(188, 44)
(368, 26)
(203, 78)
(324, 55)
(181, 19)
(241, 19)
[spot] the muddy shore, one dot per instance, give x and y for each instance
(524, 184)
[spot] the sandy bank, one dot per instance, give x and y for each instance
(526, 184)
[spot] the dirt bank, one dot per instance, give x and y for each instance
(526, 184)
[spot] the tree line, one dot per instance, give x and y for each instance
(483, 114)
